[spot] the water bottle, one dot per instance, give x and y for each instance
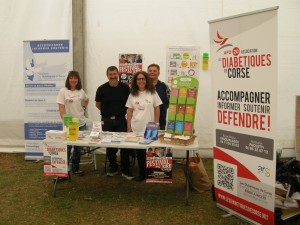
(205, 61)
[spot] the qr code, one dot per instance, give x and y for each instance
(225, 176)
(47, 168)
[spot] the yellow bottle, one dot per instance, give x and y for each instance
(205, 61)
(73, 131)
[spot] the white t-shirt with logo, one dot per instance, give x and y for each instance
(143, 109)
(73, 101)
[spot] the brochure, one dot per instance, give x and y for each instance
(145, 141)
(132, 139)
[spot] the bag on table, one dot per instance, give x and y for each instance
(198, 178)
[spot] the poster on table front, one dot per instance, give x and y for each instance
(55, 159)
(159, 165)
(128, 65)
(182, 61)
(45, 68)
(244, 74)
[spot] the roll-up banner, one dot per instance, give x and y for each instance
(243, 59)
(46, 65)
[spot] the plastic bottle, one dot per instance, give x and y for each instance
(205, 61)
(73, 131)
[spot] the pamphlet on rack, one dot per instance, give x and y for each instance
(159, 165)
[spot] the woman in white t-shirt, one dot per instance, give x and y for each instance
(73, 100)
(143, 107)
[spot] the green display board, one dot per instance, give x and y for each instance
(182, 108)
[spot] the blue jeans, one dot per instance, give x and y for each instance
(76, 153)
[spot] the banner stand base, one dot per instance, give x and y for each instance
(234, 213)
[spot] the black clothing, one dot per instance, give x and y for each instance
(141, 157)
(113, 111)
(113, 99)
(163, 92)
(117, 126)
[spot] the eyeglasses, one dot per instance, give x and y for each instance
(142, 78)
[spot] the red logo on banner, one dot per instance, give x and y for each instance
(236, 51)
(221, 41)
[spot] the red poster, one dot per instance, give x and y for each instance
(128, 65)
(159, 165)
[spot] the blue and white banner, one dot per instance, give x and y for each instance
(46, 65)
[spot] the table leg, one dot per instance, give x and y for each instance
(187, 177)
(70, 163)
(54, 188)
(69, 171)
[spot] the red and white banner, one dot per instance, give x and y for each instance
(244, 74)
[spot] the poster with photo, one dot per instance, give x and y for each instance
(159, 165)
(128, 65)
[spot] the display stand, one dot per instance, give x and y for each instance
(244, 110)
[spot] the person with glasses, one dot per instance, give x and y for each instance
(142, 107)
(163, 92)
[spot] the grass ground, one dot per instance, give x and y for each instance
(26, 198)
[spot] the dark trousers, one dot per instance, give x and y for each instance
(76, 154)
(141, 157)
(117, 125)
(162, 127)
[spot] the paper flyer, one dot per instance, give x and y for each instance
(159, 165)
(55, 159)
(128, 65)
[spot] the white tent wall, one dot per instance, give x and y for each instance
(24, 20)
(148, 27)
(138, 26)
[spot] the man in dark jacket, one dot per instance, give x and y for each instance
(162, 90)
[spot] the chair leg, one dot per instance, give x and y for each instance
(94, 159)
